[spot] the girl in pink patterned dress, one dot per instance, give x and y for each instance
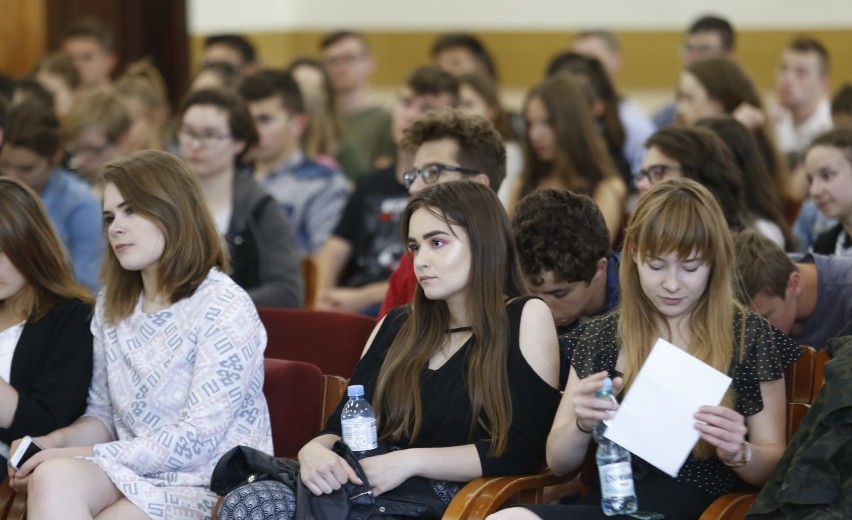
(178, 362)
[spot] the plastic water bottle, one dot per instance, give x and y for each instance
(617, 494)
(358, 422)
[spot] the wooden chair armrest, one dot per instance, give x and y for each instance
(484, 496)
(466, 497)
(732, 506)
(13, 505)
(216, 508)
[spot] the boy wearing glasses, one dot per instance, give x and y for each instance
(312, 194)
(356, 261)
(96, 130)
(350, 64)
(447, 146)
(707, 37)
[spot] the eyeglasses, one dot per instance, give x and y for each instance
(90, 150)
(654, 173)
(207, 140)
(229, 68)
(343, 59)
(431, 172)
(697, 49)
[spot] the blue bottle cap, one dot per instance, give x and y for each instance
(605, 389)
(355, 390)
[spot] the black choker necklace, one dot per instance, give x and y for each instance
(459, 329)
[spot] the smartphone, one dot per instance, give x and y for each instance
(26, 449)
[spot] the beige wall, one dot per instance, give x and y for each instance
(651, 59)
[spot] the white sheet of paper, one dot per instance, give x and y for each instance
(656, 419)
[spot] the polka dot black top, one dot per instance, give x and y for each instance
(762, 356)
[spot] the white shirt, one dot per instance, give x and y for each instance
(8, 341)
(223, 218)
(794, 139)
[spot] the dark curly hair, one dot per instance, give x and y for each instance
(480, 146)
(559, 231)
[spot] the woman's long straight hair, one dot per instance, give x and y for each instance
(494, 276)
(581, 159)
(679, 216)
(727, 83)
(29, 241)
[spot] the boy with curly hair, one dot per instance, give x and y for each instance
(563, 247)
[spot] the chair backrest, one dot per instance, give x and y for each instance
(295, 395)
(335, 389)
(795, 413)
(332, 341)
(309, 279)
(13, 505)
(803, 379)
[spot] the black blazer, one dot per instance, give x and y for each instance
(51, 370)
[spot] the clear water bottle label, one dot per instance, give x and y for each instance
(360, 434)
(616, 480)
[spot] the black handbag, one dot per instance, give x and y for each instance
(414, 498)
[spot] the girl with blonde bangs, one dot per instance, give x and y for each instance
(676, 280)
(685, 222)
(178, 362)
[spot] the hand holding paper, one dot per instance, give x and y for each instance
(656, 420)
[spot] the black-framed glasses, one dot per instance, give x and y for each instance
(343, 59)
(90, 150)
(430, 173)
(654, 173)
(187, 137)
(224, 66)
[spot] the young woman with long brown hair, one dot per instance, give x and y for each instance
(718, 86)
(45, 342)
(464, 379)
(564, 150)
(676, 278)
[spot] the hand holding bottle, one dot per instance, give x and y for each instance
(590, 410)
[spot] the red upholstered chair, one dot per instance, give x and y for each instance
(294, 393)
(330, 340)
(300, 400)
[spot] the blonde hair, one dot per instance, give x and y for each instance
(679, 216)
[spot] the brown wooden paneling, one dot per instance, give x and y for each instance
(23, 40)
(153, 28)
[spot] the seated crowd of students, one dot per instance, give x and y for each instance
(508, 257)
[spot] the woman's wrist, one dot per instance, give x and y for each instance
(583, 430)
(741, 458)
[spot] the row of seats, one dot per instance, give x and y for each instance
(310, 356)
